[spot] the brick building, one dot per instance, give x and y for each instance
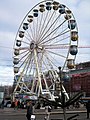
(80, 79)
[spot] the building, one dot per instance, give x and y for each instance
(1, 93)
(80, 79)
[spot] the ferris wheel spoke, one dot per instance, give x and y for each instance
(22, 52)
(25, 41)
(57, 46)
(55, 43)
(53, 59)
(40, 59)
(37, 29)
(28, 34)
(21, 58)
(50, 62)
(47, 63)
(34, 28)
(55, 21)
(24, 59)
(46, 66)
(25, 65)
(58, 41)
(24, 48)
(57, 54)
(55, 37)
(28, 38)
(32, 66)
(44, 31)
(39, 26)
(32, 35)
(40, 62)
(28, 63)
(53, 30)
(43, 25)
(54, 34)
(24, 55)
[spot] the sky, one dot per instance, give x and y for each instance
(12, 13)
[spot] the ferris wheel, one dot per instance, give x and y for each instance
(46, 39)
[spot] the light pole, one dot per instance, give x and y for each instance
(62, 93)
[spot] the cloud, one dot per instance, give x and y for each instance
(12, 13)
(6, 44)
(6, 75)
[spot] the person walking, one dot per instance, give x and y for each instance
(88, 108)
(47, 111)
(2, 104)
(29, 110)
(16, 104)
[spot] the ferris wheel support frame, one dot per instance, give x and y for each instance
(38, 72)
(45, 37)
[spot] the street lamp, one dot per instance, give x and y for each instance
(62, 93)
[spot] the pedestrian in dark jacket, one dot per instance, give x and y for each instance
(29, 110)
(2, 104)
(88, 108)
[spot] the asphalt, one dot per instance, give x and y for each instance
(39, 112)
(42, 111)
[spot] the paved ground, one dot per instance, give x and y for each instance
(57, 114)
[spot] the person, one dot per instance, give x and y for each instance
(29, 110)
(77, 104)
(2, 104)
(47, 111)
(49, 108)
(88, 108)
(16, 104)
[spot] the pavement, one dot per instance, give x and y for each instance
(42, 111)
(55, 114)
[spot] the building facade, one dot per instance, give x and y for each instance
(79, 79)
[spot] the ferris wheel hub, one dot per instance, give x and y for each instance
(32, 45)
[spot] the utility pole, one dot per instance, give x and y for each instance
(62, 93)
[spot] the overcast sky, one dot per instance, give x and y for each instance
(12, 13)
